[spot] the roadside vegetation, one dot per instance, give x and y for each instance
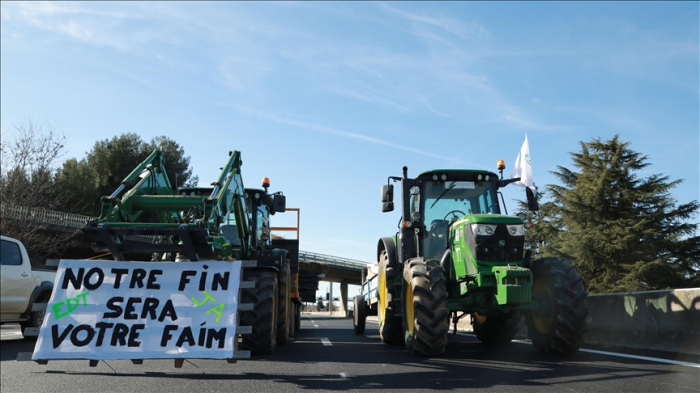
(625, 232)
(34, 175)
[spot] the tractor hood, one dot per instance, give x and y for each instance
(488, 219)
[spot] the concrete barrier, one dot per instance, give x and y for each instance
(658, 320)
(662, 320)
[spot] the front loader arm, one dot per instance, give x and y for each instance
(153, 181)
(228, 197)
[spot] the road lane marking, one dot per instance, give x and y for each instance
(326, 342)
(621, 355)
(677, 362)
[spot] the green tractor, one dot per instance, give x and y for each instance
(456, 254)
(223, 222)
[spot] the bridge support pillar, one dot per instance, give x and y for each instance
(344, 297)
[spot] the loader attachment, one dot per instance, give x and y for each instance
(119, 238)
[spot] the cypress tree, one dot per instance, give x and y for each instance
(622, 230)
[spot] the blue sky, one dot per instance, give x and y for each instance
(329, 99)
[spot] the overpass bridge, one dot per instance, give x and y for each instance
(312, 266)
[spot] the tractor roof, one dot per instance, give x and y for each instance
(455, 174)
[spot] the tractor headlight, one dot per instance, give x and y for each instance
(483, 229)
(516, 230)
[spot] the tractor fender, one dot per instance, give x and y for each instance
(446, 262)
(44, 290)
(274, 260)
(387, 243)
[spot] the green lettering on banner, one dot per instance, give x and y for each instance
(218, 310)
(71, 304)
(203, 301)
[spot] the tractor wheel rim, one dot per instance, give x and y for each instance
(382, 297)
(543, 324)
(409, 308)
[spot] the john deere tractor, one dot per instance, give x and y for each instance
(223, 222)
(456, 254)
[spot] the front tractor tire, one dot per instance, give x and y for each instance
(359, 314)
(425, 313)
(284, 316)
(263, 317)
(499, 329)
(390, 330)
(562, 327)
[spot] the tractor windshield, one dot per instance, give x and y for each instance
(261, 216)
(440, 203)
(443, 201)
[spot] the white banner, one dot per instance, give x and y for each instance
(141, 310)
(523, 168)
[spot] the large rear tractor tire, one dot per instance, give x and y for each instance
(390, 330)
(558, 285)
(359, 314)
(297, 317)
(263, 317)
(283, 303)
(425, 314)
(499, 329)
(292, 312)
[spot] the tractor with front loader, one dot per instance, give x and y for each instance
(457, 254)
(223, 222)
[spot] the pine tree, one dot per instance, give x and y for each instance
(624, 232)
(110, 161)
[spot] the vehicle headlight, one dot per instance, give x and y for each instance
(516, 230)
(483, 229)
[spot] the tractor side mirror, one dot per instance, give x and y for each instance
(279, 203)
(531, 200)
(388, 198)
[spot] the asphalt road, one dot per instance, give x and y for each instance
(327, 356)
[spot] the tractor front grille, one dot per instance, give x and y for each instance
(489, 248)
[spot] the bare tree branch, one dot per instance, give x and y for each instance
(28, 160)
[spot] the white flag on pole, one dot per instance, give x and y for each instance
(523, 168)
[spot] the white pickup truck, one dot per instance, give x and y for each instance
(22, 287)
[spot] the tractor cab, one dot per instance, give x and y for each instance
(442, 198)
(260, 208)
(260, 205)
